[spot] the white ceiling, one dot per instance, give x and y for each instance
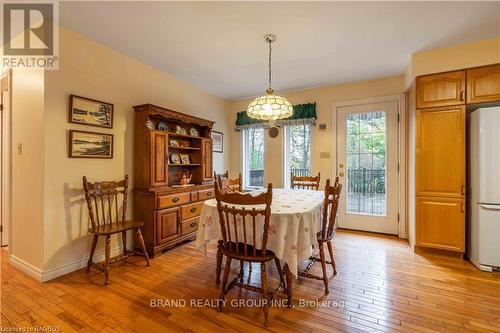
(219, 47)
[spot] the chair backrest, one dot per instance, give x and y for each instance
(233, 220)
(103, 201)
(229, 184)
(330, 207)
(305, 183)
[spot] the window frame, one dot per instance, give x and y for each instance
(244, 159)
(286, 154)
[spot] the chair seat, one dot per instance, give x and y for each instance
(326, 239)
(113, 228)
(240, 254)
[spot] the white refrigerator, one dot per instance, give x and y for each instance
(484, 184)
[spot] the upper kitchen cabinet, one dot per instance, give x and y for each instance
(445, 89)
(483, 84)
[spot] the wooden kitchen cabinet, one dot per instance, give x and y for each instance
(483, 84)
(159, 176)
(167, 225)
(440, 152)
(206, 153)
(440, 223)
(442, 89)
(170, 211)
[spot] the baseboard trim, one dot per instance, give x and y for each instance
(50, 274)
(56, 272)
(26, 267)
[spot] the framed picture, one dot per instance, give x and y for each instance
(175, 158)
(86, 111)
(174, 143)
(185, 159)
(217, 141)
(90, 145)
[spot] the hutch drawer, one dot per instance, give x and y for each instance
(189, 226)
(206, 194)
(165, 201)
(192, 210)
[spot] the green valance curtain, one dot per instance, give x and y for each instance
(303, 114)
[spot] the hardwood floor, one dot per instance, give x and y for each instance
(384, 287)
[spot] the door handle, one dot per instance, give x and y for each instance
(488, 206)
(463, 189)
(462, 95)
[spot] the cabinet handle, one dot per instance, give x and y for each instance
(462, 207)
(176, 199)
(193, 209)
(209, 193)
(462, 95)
(463, 189)
(193, 224)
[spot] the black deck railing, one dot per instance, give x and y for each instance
(363, 181)
(257, 176)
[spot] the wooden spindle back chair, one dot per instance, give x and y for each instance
(107, 204)
(330, 208)
(229, 184)
(328, 226)
(238, 218)
(305, 183)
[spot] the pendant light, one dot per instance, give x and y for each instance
(270, 106)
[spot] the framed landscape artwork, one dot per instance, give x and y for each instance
(217, 141)
(90, 145)
(86, 111)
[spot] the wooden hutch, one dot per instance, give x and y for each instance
(170, 211)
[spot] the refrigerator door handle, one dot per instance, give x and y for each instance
(487, 206)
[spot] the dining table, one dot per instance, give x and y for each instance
(294, 222)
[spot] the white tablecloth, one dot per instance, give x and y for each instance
(295, 220)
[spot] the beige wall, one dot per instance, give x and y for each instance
(27, 168)
(473, 54)
(50, 219)
(321, 141)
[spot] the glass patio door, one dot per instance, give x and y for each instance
(367, 164)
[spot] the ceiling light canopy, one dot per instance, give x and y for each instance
(270, 106)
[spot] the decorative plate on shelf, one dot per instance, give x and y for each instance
(194, 132)
(150, 124)
(162, 126)
(180, 130)
(175, 158)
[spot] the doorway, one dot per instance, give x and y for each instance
(367, 164)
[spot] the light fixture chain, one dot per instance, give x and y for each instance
(270, 71)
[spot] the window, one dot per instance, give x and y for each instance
(297, 151)
(366, 159)
(253, 158)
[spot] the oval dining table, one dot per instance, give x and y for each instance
(295, 221)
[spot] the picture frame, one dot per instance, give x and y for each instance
(84, 144)
(174, 143)
(175, 158)
(217, 141)
(185, 159)
(90, 112)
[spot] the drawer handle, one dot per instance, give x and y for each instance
(193, 224)
(209, 193)
(193, 209)
(176, 199)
